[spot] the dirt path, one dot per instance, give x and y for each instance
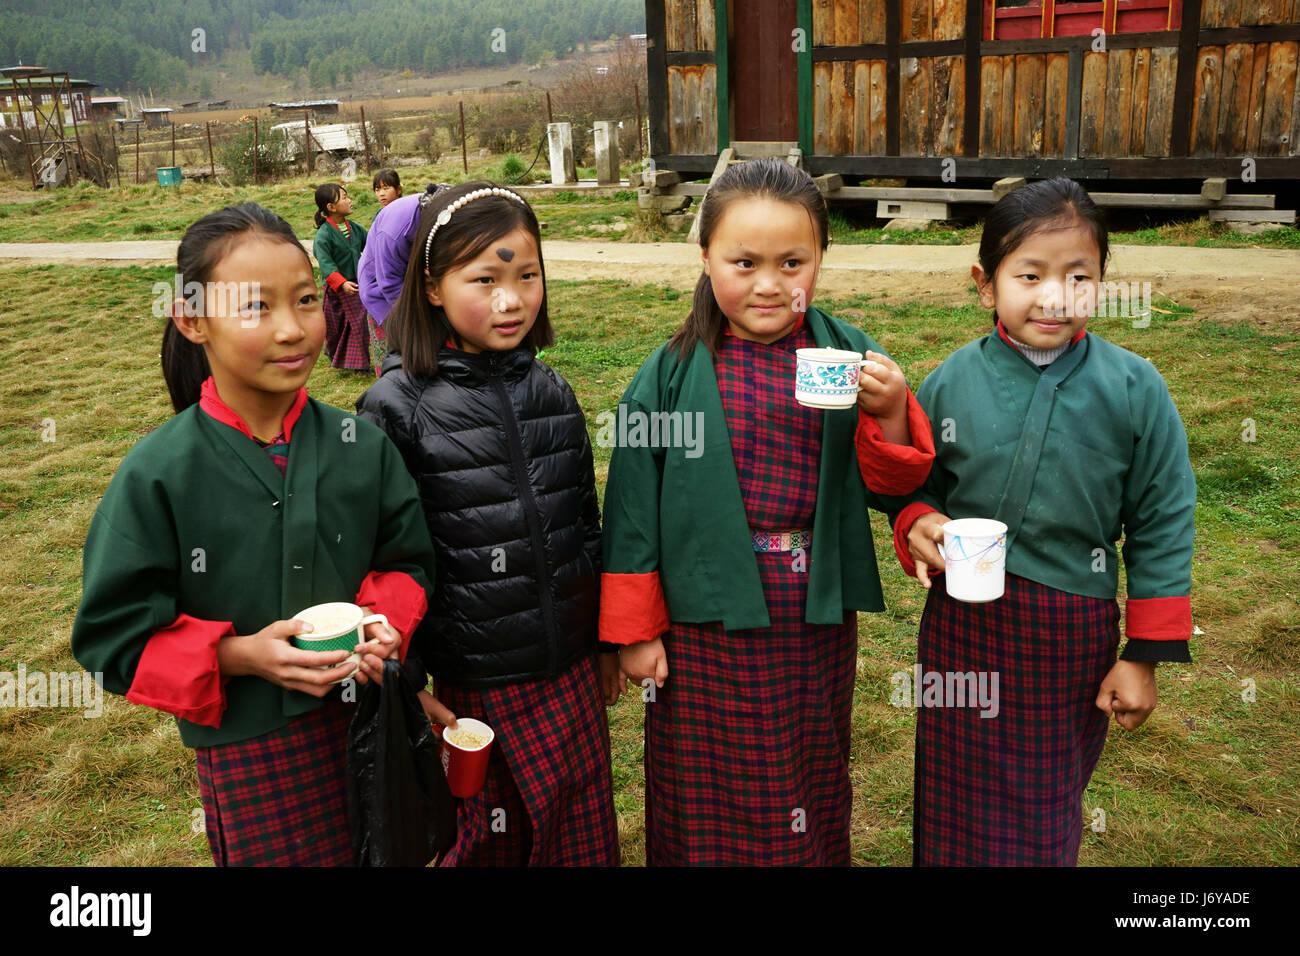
(1257, 285)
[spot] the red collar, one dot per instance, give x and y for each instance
(211, 403)
(798, 324)
(335, 224)
(1006, 338)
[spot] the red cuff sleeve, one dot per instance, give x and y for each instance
(890, 469)
(178, 671)
(632, 608)
(397, 596)
(902, 526)
(335, 280)
(1158, 619)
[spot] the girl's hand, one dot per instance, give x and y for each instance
(645, 659)
(923, 541)
(883, 392)
(382, 642)
(438, 715)
(1129, 692)
(350, 288)
(613, 679)
(269, 655)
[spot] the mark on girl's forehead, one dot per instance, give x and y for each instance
(506, 254)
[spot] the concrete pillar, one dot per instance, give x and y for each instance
(605, 137)
(559, 137)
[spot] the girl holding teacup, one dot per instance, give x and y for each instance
(243, 509)
(499, 448)
(733, 569)
(1070, 442)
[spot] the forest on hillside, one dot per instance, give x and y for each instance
(139, 44)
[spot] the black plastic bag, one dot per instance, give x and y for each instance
(400, 811)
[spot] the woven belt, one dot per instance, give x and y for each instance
(782, 540)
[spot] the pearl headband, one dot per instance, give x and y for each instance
(444, 217)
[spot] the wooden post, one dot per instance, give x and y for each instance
(640, 146)
(306, 135)
(550, 118)
(464, 158)
(212, 165)
(173, 127)
(256, 152)
(365, 139)
(137, 154)
(117, 161)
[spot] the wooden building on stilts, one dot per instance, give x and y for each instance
(956, 95)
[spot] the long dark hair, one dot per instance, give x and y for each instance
(758, 178)
(184, 363)
(416, 328)
(326, 193)
(1058, 203)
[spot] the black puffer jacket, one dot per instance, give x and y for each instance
(499, 449)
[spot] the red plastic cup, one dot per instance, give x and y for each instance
(466, 767)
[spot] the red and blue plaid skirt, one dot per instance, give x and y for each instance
(549, 796)
(1008, 790)
(347, 336)
(281, 799)
(747, 742)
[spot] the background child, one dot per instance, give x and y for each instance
(499, 448)
(209, 531)
(733, 571)
(338, 247)
(1072, 442)
(387, 186)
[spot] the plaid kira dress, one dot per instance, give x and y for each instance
(1007, 790)
(548, 799)
(747, 742)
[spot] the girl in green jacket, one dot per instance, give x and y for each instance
(737, 544)
(253, 503)
(1072, 443)
(337, 248)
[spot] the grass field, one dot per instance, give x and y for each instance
(1211, 779)
(86, 213)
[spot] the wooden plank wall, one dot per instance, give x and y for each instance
(692, 109)
(1125, 108)
(849, 96)
(849, 107)
(1247, 13)
(1246, 101)
(850, 22)
(689, 25)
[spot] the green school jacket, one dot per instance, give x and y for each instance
(679, 510)
(1098, 454)
(335, 253)
(199, 521)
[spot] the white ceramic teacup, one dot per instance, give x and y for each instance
(975, 559)
(827, 378)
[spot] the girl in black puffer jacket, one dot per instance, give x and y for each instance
(499, 449)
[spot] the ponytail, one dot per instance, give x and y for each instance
(326, 193)
(185, 367)
(184, 363)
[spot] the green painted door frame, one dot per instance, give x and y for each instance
(722, 72)
(802, 46)
(804, 65)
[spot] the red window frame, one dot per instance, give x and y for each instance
(1048, 18)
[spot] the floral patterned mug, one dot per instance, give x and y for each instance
(827, 378)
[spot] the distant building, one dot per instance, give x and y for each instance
(106, 107)
(21, 83)
(313, 108)
(156, 117)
